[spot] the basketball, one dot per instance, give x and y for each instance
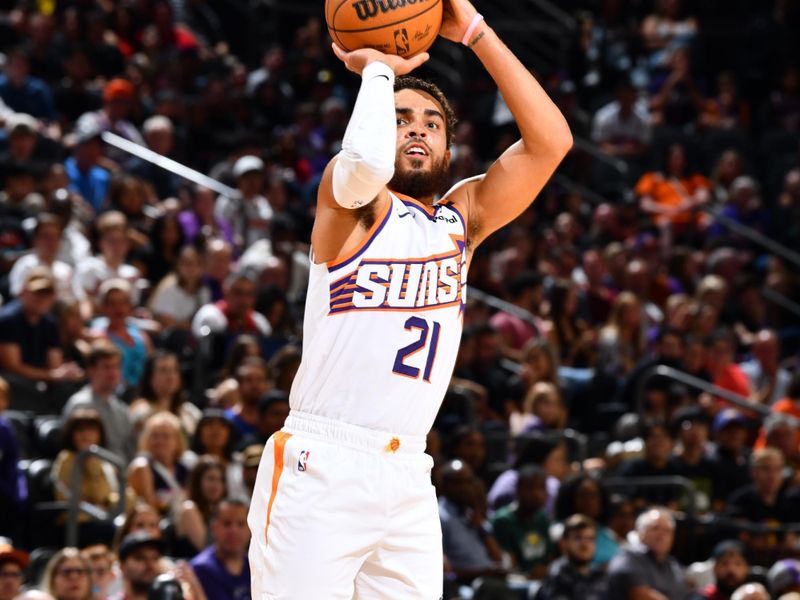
(401, 27)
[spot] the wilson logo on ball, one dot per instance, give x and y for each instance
(367, 9)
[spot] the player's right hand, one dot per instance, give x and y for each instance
(357, 60)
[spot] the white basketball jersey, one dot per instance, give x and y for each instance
(383, 324)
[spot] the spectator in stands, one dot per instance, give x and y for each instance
(585, 495)
(46, 241)
(142, 518)
(180, 294)
(161, 389)
(13, 487)
(216, 436)
(98, 481)
(68, 576)
(780, 432)
(542, 410)
(29, 345)
(730, 570)
(622, 127)
(87, 175)
(118, 98)
(646, 569)
(784, 102)
(22, 131)
(655, 463)
(548, 453)
(249, 213)
(223, 568)
(539, 363)
(103, 366)
(726, 109)
(671, 196)
(13, 563)
(525, 292)
(134, 344)
(576, 341)
(768, 379)
(690, 427)
(234, 314)
(72, 334)
(790, 404)
(139, 561)
(251, 458)
(157, 475)
(218, 257)
(669, 350)
(165, 243)
(724, 371)
(206, 489)
(254, 382)
(730, 455)
(573, 575)
(522, 527)
(23, 93)
(677, 98)
(621, 343)
(104, 575)
(200, 220)
(273, 408)
(112, 229)
(159, 133)
(74, 247)
(768, 498)
(784, 577)
(469, 544)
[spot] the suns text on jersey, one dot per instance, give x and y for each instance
(433, 282)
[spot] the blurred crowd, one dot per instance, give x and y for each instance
(159, 318)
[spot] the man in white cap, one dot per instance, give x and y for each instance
(250, 214)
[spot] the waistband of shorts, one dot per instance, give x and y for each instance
(355, 436)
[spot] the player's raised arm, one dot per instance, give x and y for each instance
(358, 175)
(516, 178)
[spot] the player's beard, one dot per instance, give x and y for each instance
(417, 183)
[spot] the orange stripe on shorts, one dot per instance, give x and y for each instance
(279, 440)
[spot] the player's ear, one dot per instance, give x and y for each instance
(447, 155)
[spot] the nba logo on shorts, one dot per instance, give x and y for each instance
(302, 462)
(401, 41)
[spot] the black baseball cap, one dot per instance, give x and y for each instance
(139, 539)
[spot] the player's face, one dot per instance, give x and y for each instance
(422, 160)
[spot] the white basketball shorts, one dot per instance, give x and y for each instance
(342, 512)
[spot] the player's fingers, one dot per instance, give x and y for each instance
(415, 61)
(340, 54)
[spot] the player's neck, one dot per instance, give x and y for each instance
(426, 200)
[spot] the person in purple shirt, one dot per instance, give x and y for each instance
(13, 488)
(223, 568)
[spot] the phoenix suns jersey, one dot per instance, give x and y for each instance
(383, 324)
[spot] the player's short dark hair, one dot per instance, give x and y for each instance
(408, 82)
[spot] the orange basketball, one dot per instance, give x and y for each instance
(402, 27)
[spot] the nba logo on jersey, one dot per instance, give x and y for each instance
(302, 462)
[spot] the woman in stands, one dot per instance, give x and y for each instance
(181, 293)
(98, 480)
(216, 437)
(586, 495)
(157, 475)
(161, 390)
(67, 576)
(206, 486)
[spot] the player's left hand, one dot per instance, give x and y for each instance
(458, 14)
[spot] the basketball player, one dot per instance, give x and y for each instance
(343, 504)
